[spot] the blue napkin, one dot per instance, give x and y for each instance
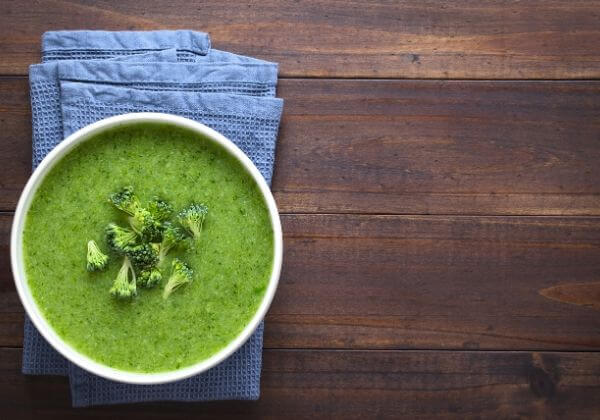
(90, 75)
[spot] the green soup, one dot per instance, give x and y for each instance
(232, 261)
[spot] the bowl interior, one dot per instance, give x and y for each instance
(17, 249)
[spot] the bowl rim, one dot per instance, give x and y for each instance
(31, 307)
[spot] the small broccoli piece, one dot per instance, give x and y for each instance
(120, 239)
(142, 220)
(96, 259)
(145, 225)
(160, 209)
(181, 274)
(125, 200)
(192, 219)
(146, 222)
(149, 277)
(124, 285)
(142, 256)
(171, 237)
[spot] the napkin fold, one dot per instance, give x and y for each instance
(90, 75)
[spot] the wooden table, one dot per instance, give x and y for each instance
(438, 171)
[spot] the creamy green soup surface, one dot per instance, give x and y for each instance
(232, 261)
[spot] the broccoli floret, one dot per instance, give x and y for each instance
(120, 239)
(142, 220)
(145, 225)
(96, 259)
(160, 209)
(125, 200)
(192, 219)
(149, 277)
(181, 274)
(172, 235)
(124, 285)
(146, 222)
(142, 256)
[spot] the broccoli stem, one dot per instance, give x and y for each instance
(181, 274)
(124, 286)
(96, 259)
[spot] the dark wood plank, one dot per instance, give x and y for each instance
(409, 39)
(440, 147)
(408, 147)
(397, 282)
(358, 385)
(15, 139)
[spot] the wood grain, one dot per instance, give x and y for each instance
(410, 39)
(439, 147)
(356, 385)
(15, 139)
(586, 294)
(407, 147)
(401, 282)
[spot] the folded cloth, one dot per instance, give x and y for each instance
(90, 75)
(45, 100)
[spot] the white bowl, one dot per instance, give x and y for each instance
(16, 250)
